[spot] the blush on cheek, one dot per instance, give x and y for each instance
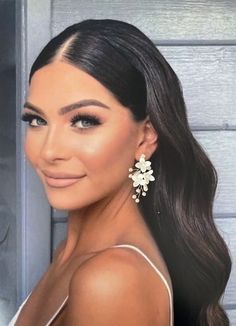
(110, 156)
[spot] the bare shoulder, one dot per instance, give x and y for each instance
(110, 289)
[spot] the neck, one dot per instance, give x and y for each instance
(102, 224)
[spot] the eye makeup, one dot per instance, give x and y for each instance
(90, 120)
(29, 117)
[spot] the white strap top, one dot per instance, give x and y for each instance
(14, 319)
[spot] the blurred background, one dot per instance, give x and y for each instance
(197, 37)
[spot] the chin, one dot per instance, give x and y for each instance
(70, 202)
(70, 199)
(66, 205)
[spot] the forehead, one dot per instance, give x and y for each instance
(60, 83)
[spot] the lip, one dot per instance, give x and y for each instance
(60, 179)
(60, 175)
(62, 182)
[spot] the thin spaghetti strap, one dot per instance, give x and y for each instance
(56, 313)
(14, 319)
(159, 273)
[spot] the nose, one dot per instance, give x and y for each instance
(55, 146)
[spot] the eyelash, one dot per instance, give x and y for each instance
(94, 120)
(29, 117)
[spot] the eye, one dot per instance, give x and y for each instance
(33, 119)
(85, 121)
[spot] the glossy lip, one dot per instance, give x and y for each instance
(60, 179)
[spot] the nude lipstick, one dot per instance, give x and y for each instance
(60, 179)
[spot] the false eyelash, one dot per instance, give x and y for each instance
(29, 117)
(91, 118)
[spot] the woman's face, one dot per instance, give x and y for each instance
(81, 133)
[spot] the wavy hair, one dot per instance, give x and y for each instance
(127, 63)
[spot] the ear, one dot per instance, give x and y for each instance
(147, 140)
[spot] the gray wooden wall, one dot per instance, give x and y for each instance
(198, 38)
(7, 161)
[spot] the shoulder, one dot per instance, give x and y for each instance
(114, 266)
(110, 287)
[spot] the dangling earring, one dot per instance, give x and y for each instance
(141, 177)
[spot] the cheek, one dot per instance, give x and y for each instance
(110, 153)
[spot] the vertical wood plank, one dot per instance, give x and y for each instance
(33, 220)
(8, 245)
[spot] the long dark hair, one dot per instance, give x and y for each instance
(127, 63)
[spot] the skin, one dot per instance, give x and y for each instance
(101, 211)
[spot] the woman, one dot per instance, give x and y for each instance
(109, 137)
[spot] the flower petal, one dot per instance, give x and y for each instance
(142, 158)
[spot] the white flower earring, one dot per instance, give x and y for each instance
(141, 177)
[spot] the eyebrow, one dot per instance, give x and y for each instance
(70, 107)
